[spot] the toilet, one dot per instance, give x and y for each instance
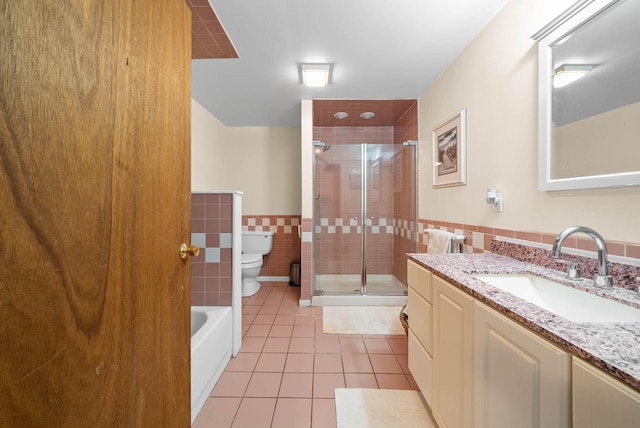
(254, 246)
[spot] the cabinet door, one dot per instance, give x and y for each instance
(421, 367)
(521, 379)
(453, 356)
(599, 400)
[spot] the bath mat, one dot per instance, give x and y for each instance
(361, 320)
(381, 408)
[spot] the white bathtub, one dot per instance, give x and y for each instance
(210, 351)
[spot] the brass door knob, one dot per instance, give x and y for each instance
(192, 251)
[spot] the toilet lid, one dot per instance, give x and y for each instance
(251, 257)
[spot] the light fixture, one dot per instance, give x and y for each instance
(315, 75)
(340, 115)
(568, 73)
(367, 115)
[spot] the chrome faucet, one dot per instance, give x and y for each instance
(602, 279)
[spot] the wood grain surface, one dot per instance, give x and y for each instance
(94, 200)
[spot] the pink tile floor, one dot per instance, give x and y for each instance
(287, 369)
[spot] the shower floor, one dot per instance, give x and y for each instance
(350, 284)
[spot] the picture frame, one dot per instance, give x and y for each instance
(449, 139)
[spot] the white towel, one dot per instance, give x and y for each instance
(442, 242)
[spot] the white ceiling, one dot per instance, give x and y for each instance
(381, 49)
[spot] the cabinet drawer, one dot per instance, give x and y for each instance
(421, 367)
(419, 279)
(421, 319)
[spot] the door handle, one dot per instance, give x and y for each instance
(192, 251)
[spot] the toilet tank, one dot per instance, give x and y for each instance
(257, 242)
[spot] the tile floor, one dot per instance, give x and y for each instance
(287, 369)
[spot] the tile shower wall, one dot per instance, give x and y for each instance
(393, 239)
(306, 273)
(338, 236)
(286, 242)
(405, 129)
(525, 246)
(211, 230)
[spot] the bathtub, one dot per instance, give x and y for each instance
(210, 351)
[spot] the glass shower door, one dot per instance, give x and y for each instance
(389, 209)
(364, 212)
(337, 219)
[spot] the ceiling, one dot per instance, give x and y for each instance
(380, 50)
(387, 112)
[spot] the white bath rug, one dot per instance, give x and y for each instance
(381, 408)
(362, 320)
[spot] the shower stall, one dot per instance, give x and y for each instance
(364, 219)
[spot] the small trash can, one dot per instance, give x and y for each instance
(294, 274)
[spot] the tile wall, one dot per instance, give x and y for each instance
(208, 38)
(389, 238)
(286, 242)
(211, 230)
(405, 129)
(532, 247)
(338, 236)
(306, 270)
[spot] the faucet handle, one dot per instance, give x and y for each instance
(573, 268)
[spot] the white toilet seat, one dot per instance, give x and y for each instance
(251, 266)
(251, 260)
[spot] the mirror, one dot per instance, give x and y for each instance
(589, 129)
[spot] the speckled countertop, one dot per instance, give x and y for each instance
(614, 347)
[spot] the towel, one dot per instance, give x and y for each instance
(442, 242)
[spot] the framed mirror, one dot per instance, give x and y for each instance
(589, 97)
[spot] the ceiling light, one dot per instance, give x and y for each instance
(315, 75)
(566, 74)
(340, 115)
(367, 115)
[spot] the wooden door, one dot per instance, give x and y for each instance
(453, 356)
(94, 200)
(521, 379)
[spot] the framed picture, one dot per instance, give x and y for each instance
(450, 151)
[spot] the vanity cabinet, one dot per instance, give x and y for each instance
(521, 379)
(452, 356)
(599, 400)
(478, 368)
(420, 327)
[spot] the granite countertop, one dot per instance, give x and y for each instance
(614, 347)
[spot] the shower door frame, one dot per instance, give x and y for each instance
(364, 214)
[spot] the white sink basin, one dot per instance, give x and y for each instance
(570, 303)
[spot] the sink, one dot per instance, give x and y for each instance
(570, 303)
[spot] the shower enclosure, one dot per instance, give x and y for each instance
(364, 217)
